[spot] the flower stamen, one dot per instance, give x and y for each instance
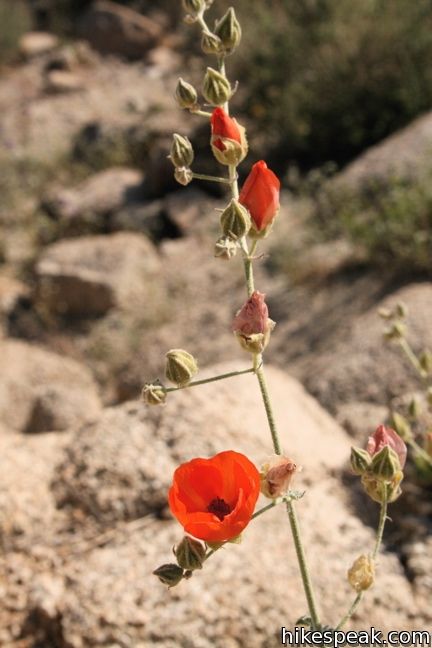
(219, 507)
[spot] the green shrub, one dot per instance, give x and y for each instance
(390, 220)
(324, 79)
(14, 21)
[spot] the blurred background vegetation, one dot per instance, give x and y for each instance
(321, 81)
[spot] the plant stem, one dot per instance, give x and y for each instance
(420, 451)
(195, 383)
(201, 113)
(406, 348)
(210, 178)
(378, 541)
(248, 267)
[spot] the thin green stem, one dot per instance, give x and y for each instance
(379, 536)
(268, 407)
(304, 570)
(420, 451)
(406, 348)
(210, 178)
(204, 381)
(201, 113)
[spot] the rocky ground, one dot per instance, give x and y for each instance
(105, 265)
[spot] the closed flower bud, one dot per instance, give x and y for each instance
(190, 553)
(182, 153)
(193, 6)
(276, 475)
(401, 310)
(395, 332)
(414, 408)
(252, 325)
(381, 491)
(216, 88)
(228, 138)
(183, 175)
(229, 31)
(185, 94)
(225, 248)
(360, 461)
(260, 195)
(153, 394)
(426, 362)
(235, 220)
(362, 573)
(402, 427)
(169, 574)
(181, 367)
(385, 436)
(385, 464)
(210, 43)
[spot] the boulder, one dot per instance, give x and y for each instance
(36, 43)
(111, 28)
(94, 199)
(122, 467)
(86, 277)
(62, 81)
(42, 391)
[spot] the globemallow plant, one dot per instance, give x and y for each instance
(214, 498)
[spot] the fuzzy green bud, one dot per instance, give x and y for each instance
(235, 220)
(381, 491)
(169, 574)
(225, 248)
(216, 88)
(385, 464)
(210, 43)
(153, 394)
(183, 175)
(190, 553)
(395, 332)
(182, 153)
(193, 7)
(401, 310)
(414, 408)
(401, 426)
(360, 461)
(426, 362)
(229, 31)
(185, 94)
(181, 367)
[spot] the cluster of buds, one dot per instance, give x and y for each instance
(381, 465)
(252, 325)
(395, 317)
(190, 554)
(180, 368)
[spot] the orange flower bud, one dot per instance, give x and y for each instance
(260, 194)
(385, 436)
(228, 138)
(276, 476)
(252, 324)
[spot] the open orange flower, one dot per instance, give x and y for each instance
(214, 499)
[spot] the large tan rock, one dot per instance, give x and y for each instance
(36, 43)
(245, 593)
(41, 391)
(112, 28)
(86, 277)
(95, 198)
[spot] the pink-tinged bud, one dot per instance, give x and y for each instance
(385, 436)
(276, 475)
(252, 325)
(260, 195)
(228, 138)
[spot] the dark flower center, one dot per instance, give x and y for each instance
(219, 508)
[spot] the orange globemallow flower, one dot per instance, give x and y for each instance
(214, 499)
(260, 195)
